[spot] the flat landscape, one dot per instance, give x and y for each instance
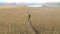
(14, 20)
(43, 20)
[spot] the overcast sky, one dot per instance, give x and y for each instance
(30, 1)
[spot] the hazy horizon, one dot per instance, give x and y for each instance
(29, 1)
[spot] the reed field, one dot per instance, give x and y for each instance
(42, 20)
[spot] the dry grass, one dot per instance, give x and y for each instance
(43, 20)
(14, 20)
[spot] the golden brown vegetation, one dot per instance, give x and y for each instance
(45, 20)
(14, 20)
(42, 20)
